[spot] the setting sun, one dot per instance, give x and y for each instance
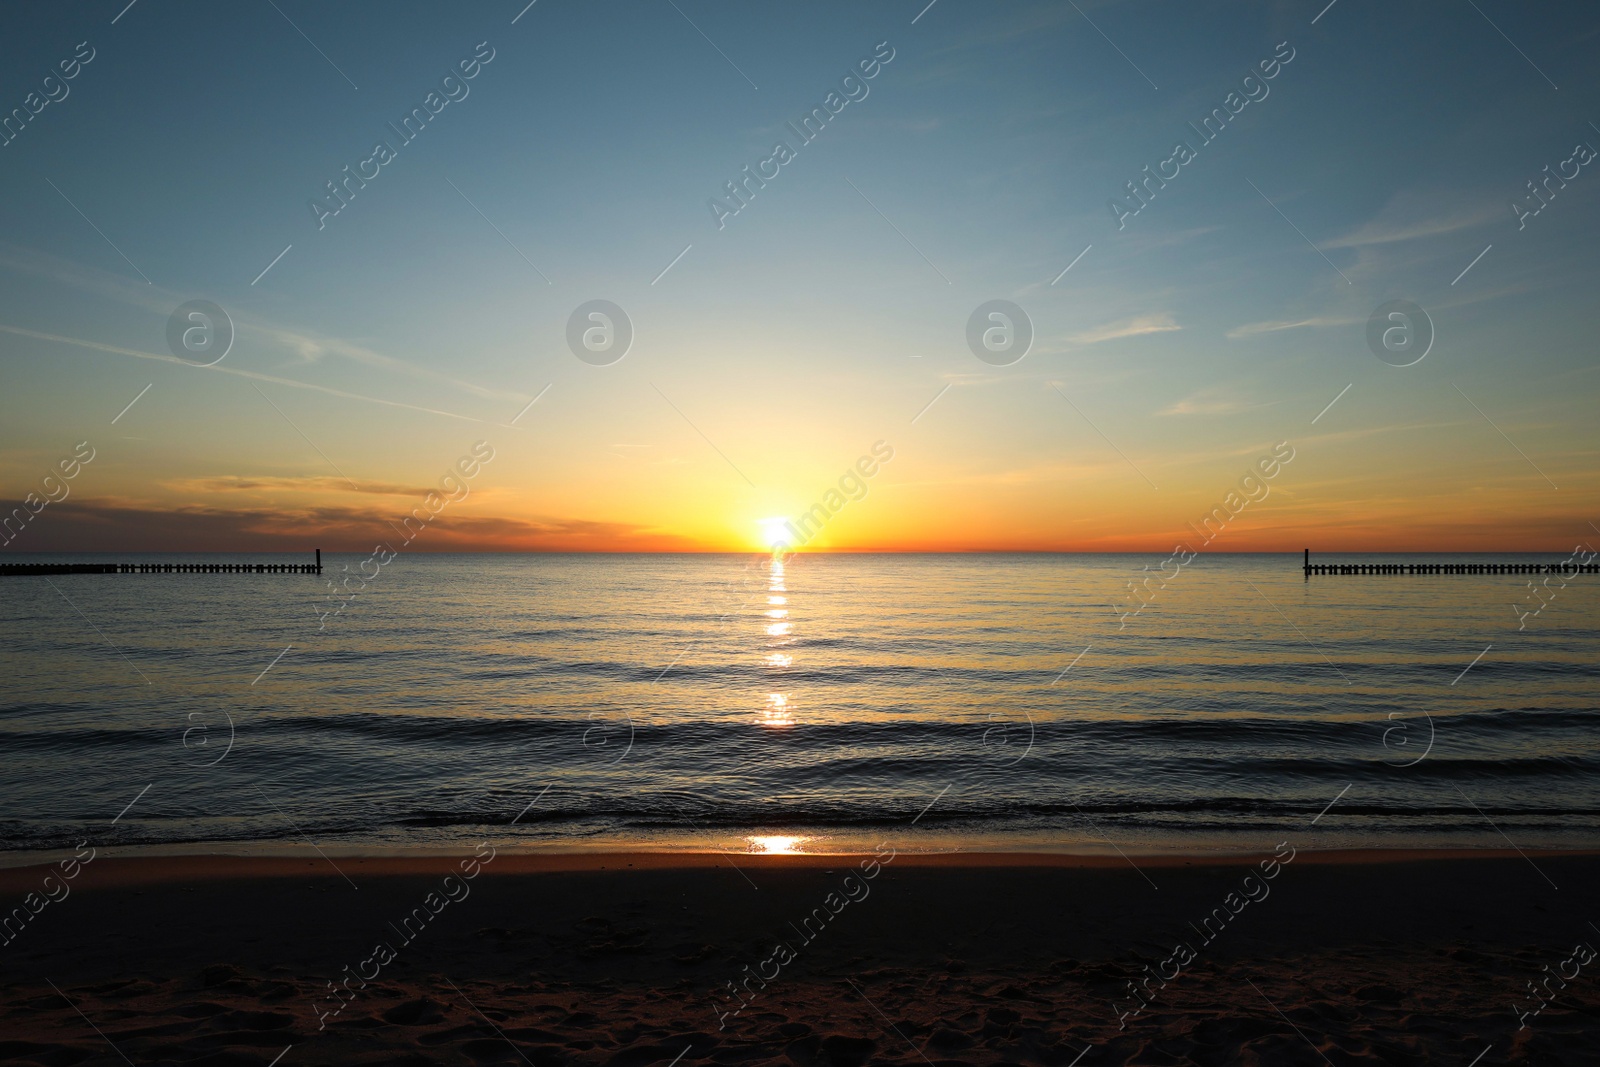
(773, 533)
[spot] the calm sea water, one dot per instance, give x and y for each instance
(960, 701)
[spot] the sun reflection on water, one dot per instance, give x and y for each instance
(776, 713)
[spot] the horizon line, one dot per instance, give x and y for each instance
(790, 553)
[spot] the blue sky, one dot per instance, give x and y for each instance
(828, 312)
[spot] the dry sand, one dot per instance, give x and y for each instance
(617, 959)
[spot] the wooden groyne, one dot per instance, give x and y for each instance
(22, 570)
(1564, 567)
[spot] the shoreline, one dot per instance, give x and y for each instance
(127, 866)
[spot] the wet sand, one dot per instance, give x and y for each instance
(627, 959)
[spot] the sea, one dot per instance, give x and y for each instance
(807, 703)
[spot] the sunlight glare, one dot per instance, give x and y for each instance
(776, 713)
(773, 533)
(776, 845)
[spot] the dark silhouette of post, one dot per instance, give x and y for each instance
(1568, 566)
(23, 570)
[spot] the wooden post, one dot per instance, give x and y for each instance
(1308, 563)
(319, 561)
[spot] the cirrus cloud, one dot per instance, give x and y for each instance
(1137, 326)
(1255, 329)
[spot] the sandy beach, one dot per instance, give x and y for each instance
(635, 959)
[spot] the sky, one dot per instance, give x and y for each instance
(587, 157)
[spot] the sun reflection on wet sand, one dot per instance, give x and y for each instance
(774, 845)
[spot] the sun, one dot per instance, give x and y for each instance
(773, 532)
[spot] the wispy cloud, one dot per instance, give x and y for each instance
(311, 347)
(1137, 326)
(96, 346)
(1412, 215)
(305, 345)
(1212, 401)
(233, 483)
(139, 526)
(1169, 238)
(1255, 329)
